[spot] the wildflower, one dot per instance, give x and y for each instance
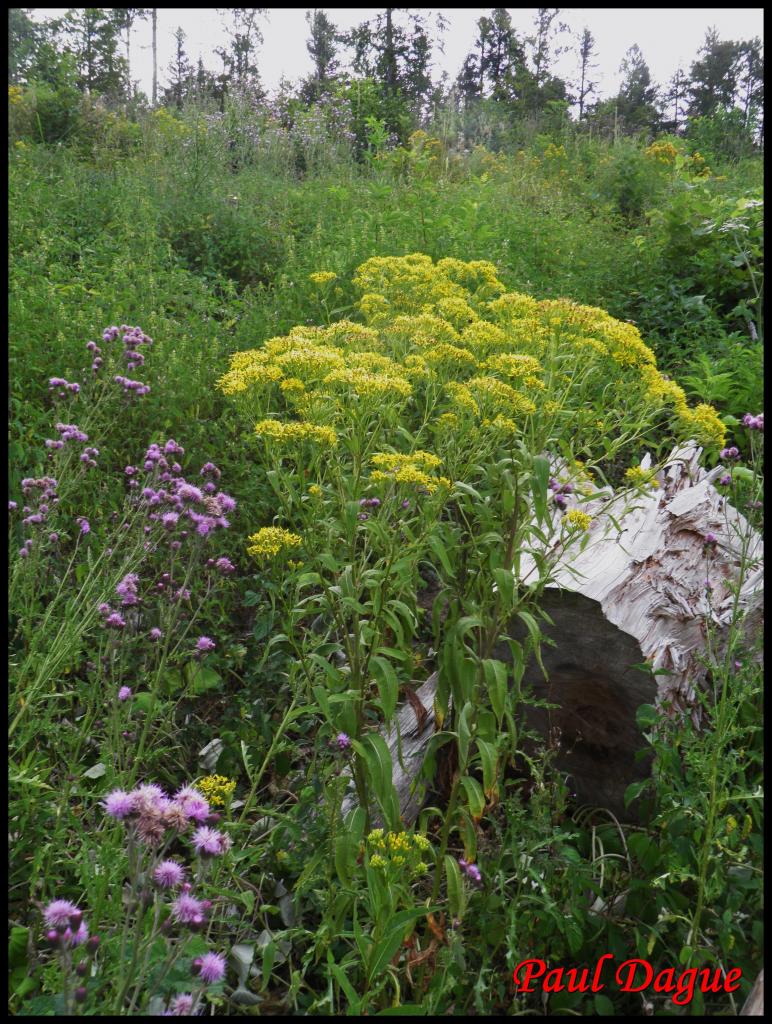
(193, 803)
(12, 506)
(322, 277)
(127, 589)
(83, 523)
(169, 874)
(204, 645)
(376, 861)
(181, 1005)
(272, 541)
(77, 936)
(155, 634)
(187, 909)
(577, 518)
(211, 968)
(119, 804)
(124, 693)
(225, 566)
(754, 422)
(53, 537)
(343, 741)
(725, 480)
(218, 789)
(729, 453)
(208, 842)
(57, 914)
(470, 870)
(710, 540)
(115, 621)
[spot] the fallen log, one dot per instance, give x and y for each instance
(754, 1004)
(635, 594)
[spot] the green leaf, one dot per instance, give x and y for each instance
(388, 686)
(489, 760)
(603, 1006)
(646, 716)
(496, 680)
(439, 550)
(474, 796)
(539, 486)
(455, 884)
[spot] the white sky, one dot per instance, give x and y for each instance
(666, 36)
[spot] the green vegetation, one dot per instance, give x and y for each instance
(370, 338)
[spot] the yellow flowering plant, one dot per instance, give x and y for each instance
(424, 436)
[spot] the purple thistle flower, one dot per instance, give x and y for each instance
(362, 517)
(187, 910)
(53, 537)
(208, 842)
(115, 621)
(57, 914)
(155, 634)
(204, 645)
(127, 589)
(343, 740)
(181, 1005)
(119, 804)
(211, 968)
(83, 523)
(124, 693)
(711, 540)
(78, 937)
(729, 453)
(169, 874)
(12, 506)
(194, 805)
(754, 422)
(225, 566)
(471, 870)
(725, 480)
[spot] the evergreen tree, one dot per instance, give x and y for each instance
(751, 79)
(181, 74)
(322, 46)
(714, 76)
(239, 57)
(586, 53)
(637, 93)
(398, 56)
(93, 33)
(24, 38)
(468, 81)
(673, 102)
(543, 87)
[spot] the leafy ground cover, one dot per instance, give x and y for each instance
(240, 532)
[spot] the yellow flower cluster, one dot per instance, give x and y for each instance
(576, 518)
(272, 541)
(218, 789)
(408, 469)
(446, 352)
(639, 477)
(400, 850)
(663, 152)
(322, 277)
(290, 432)
(367, 384)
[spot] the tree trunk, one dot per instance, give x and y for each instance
(754, 1004)
(631, 597)
(155, 55)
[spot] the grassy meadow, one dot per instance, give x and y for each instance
(281, 495)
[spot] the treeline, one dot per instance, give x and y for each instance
(507, 84)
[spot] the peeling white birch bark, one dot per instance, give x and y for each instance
(628, 597)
